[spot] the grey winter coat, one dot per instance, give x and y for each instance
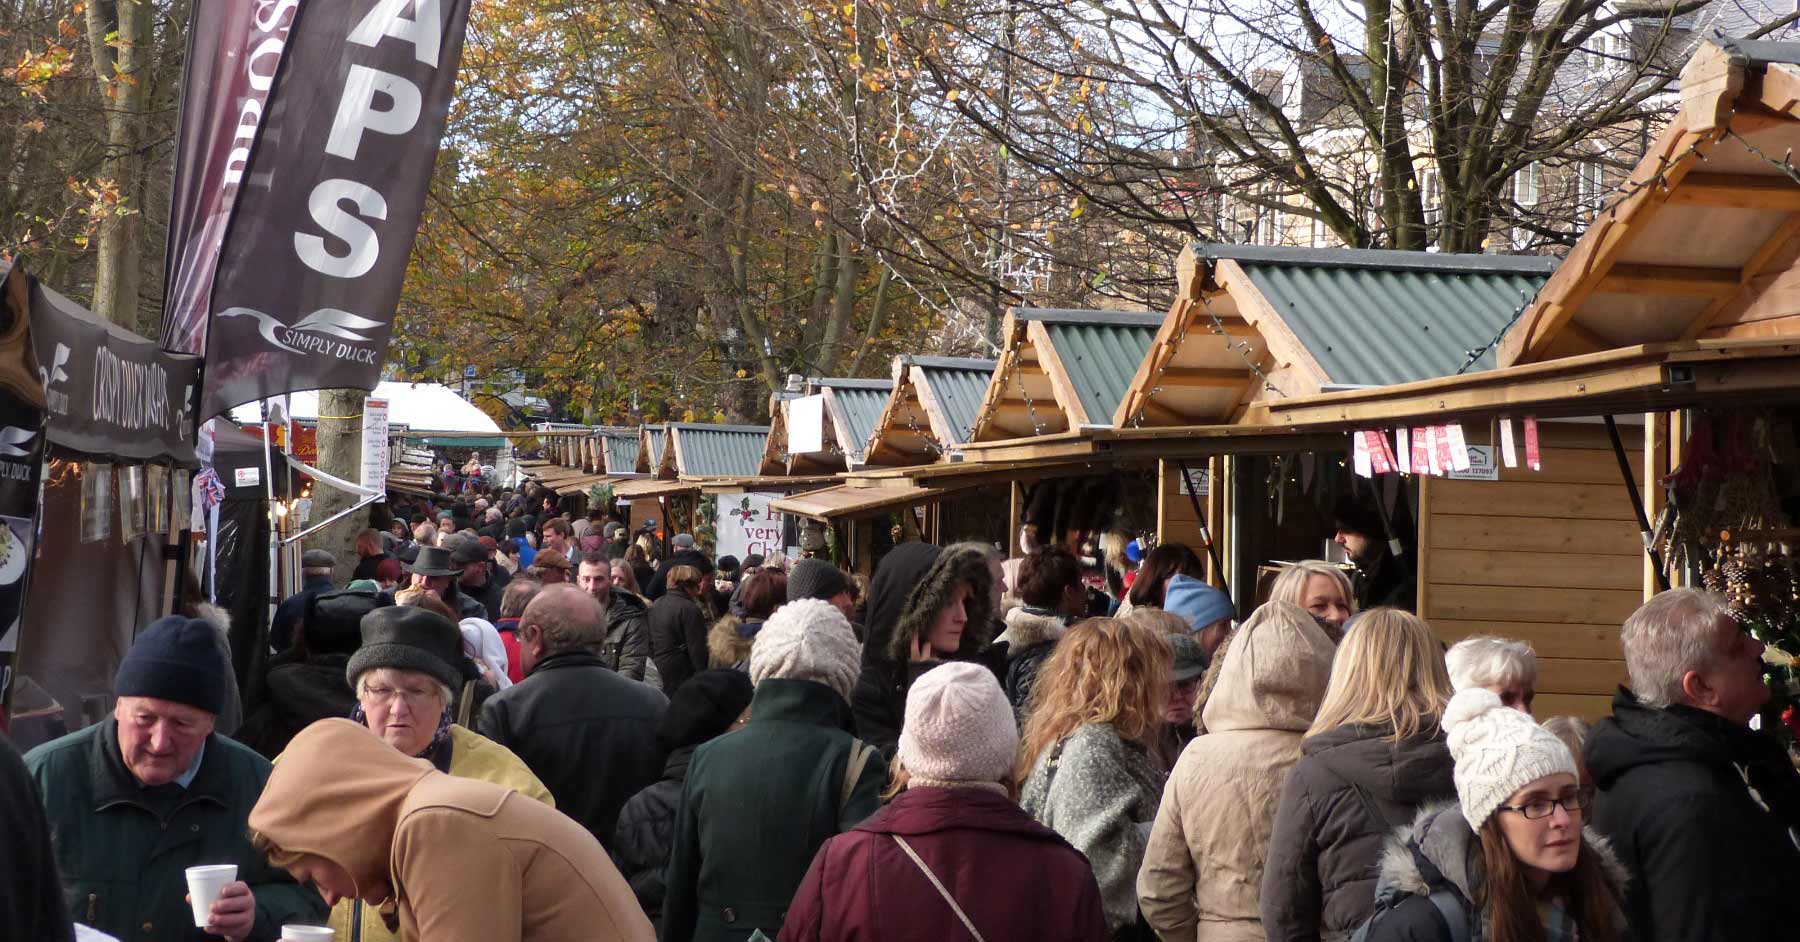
(1319, 882)
(627, 648)
(1100, 793)
(1442, 835)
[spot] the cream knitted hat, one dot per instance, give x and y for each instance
(959, 727)
(1498, 750)
(807, 639)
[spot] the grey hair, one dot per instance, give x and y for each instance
(1484, 660)
(1666, 638)
(1290, 585)
(443, 689)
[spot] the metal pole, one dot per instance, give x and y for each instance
(1212, 546)
(1637, 504)
(268, 429)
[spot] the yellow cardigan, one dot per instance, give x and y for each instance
(472, 755)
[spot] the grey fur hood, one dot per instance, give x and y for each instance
(1443, 835)
(960, 562)
(1028, 630)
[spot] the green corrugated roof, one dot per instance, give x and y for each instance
(959, 385)
(1101, 351)
(621, 451)
(861, 401)
(721, 450)
(657, 442)
(1375, 318)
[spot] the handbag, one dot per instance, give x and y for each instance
(939, 886)
(853, 768)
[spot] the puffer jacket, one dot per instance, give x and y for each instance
(1441, 835)
(1100, 793)
(1031, 635)
(1319, 883)
(1203, 870)
(646, 834)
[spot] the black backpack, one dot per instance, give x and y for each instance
(1452, 908)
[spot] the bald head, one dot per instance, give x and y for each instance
(561, 619)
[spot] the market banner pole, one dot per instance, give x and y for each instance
(1637, 504)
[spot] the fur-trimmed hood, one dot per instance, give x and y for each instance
(724, 646)
(1027, 629)
(961, 562)
(1443, 835)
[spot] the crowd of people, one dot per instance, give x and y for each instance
(511, 724)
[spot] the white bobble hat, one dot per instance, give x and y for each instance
(807, 639)
(1498, 750)
(959, 727)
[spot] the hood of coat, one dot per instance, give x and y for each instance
(623, 606)
(964, 562)
(1408, 772)
(1027, 629)
(724, 646)
(336, 794)
(1443, 835)
(901, 569)
(1636, 735)
(1274, 672)
(932, 810)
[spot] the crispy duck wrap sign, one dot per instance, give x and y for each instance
(300, 180)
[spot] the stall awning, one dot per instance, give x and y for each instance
(581, 484)
(438, 441)
(646, 489)
(767, 484)
(846, 502)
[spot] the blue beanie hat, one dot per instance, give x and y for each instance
(176, 659)
(1196, 601)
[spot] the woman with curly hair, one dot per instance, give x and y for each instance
(951, 614)
(1095, 710)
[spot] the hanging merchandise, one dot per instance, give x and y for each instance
(1508, 454)
(1459, 447)
(1533, 458)
(96, 502)
(131, 502)
(1421, 452)
(1402, 452)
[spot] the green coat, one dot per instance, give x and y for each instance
(755, 808)
(124, 849)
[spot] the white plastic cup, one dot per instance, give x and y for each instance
(307, 934)
(204, 884)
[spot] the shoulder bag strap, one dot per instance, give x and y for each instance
(1374, 810)
(936, 885)
(468, 705)
(859, 758)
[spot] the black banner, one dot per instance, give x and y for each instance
(110, 393)
(316, 248)
(21, 460)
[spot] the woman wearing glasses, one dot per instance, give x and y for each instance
(403, 676)
(1510, 861)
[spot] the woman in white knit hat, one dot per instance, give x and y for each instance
(951, 857)
(1510, 861)
(758, 802)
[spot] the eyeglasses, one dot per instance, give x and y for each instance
(381, 695)
(1575, 801)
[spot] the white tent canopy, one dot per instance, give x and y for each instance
(423, 408)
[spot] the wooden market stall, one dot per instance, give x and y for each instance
(931, 412)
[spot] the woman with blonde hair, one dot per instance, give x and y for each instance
(1319, 587)
(1203, 869)
(1094, 714)
(1374, 755)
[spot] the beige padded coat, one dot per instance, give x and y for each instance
(1202, 872)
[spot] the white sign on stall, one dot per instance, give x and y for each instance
(1482, 466)
(746, 525)
(806, 425)
(375, 444)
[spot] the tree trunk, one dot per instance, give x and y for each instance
(842, 307)
(340, 455)
(119, 40)
(874, 331)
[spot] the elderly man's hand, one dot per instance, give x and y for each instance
(233, 914)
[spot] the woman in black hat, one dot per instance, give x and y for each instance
(404, 675)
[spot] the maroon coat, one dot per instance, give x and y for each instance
(1015, 878)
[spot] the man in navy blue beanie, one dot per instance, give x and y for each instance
(135, 800)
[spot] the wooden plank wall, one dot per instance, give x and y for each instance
(1551, 557)
(1175, 520)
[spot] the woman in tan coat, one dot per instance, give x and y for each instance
(447, 859)
(1202, 872)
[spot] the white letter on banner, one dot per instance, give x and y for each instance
(263, 62)
(385, 20)
(365, 248)
(356, 112)
(271, 16)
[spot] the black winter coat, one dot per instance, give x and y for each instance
(1710, 859)
(658, 585)
(1319, 882)
(588, 734)
(296, 693)
(30, 890)
(677, 639)
(647, 834)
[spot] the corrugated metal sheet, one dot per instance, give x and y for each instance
(621, 452)
(1102, 357)
(861, 403)
(721, 450)
(959, 385)
(658, 440)
(1370, 326)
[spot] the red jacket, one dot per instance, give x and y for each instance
(509, 639)
(1014, 878)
